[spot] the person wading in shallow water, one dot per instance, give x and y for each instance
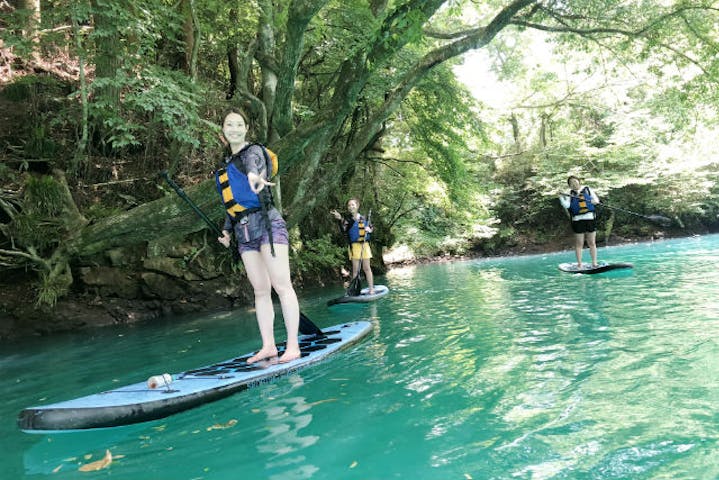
(579, 203)
(357, 229)
(261, 233)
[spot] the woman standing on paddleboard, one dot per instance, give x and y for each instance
(579, 203)
(261, 233)
(357, 228)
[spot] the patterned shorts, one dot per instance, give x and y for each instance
(279, 237)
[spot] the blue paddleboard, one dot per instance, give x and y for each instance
(138, 403)
(589, 269)
(364, 296)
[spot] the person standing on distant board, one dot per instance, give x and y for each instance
(357, 230)
(580, 205)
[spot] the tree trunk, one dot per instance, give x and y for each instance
(31, 28)
(168, 215)
(233, 67)
(107, 58)
(191, 37)
(79, 161)
(315, 139)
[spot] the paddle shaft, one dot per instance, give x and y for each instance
(181, 193)
(647, 217)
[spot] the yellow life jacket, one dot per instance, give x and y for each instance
(234, 188)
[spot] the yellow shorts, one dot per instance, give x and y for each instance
(360, 249)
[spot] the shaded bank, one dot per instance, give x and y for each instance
(126, 286)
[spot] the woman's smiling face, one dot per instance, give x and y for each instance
(574, 183)
(234, 128)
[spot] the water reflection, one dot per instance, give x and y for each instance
(283, 441)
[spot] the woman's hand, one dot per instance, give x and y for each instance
(224, 239)
(336, 214)
(257, 182)
(369, 228)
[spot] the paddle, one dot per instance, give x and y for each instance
(659, 219)
(355, 286)
(307, 327)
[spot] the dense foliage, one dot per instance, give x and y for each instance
(359, 99)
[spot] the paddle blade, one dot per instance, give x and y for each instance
(355, 287)
(307, 327)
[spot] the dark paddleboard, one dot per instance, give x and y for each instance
(138, 403)
(588, 268)
(364, 296)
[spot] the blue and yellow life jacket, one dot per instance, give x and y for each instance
(357, 232)
(581, 203)
(234, 188)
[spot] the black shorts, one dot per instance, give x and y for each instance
(584, 226)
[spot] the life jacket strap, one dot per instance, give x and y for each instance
(242, 214)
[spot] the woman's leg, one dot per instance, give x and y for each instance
(368, 274)
(278, 268)
(355, 268)
(260, 280)
(592, 242)
(578, 246)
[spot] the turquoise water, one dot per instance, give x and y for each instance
(489, 369)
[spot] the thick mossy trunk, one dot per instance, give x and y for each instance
(168, 216)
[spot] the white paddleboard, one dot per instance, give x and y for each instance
(139, 403)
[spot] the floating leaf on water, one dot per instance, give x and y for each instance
(99, 464)
(318, 402)
(159, 428)
(354, 464)
(468, 476)
(57, 469)
(222, 426)
(87, 456)
(256, 410)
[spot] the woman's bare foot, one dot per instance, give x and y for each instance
(263, 354)
(290, 354)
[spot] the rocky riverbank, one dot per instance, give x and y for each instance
(125, 286)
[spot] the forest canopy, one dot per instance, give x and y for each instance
(387, 101)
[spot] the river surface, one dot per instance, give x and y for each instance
(485, 369)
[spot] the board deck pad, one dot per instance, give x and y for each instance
(587, 268)
(138, 403)
(364, 296)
